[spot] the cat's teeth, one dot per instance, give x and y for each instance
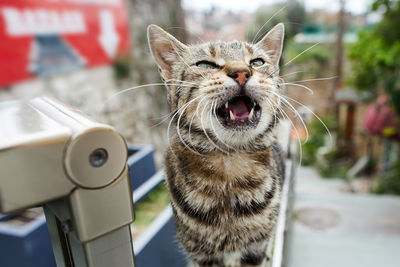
(226, 104)
(231, 115)
(251, 114)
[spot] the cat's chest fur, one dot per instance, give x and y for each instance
(219, 196)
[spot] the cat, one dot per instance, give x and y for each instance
(224, 168)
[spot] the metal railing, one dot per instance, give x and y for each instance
(89, 213)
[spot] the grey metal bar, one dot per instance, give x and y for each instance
(278, 257)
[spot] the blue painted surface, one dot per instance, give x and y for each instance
(4, 217)
(162, 250)
(54, 55)
(141, 164)
(30, 250)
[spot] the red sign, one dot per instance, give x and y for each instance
(42, 37)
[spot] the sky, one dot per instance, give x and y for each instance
(354, 6)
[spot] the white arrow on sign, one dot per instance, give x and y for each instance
(108, 38)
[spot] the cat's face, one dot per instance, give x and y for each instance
(226, 92)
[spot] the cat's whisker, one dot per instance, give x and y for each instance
(301, 121)
(292, 73)
(178, 111)
(178, 127)
(294, 58)
(182, 84)
(281, 111)
(172, 119)
(287, 103)
(198, 107)
(285, 115)
(275, 71)
(295, 83)
(130, 89)
(286, 100)
(302, 86)
(192, 118)
(313, 113)
(270, 102)
(274, 15)
(163, 119)
(296, 132)
(206, 134)
(179, 89)
(316, 79)
(180, 81)
(214, 113)
(301, 53)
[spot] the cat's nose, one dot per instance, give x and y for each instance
(241, 75)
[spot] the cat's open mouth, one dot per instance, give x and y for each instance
(239, 111)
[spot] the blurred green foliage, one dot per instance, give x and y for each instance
(376, 54)
(389, 182)
(376, 66)
(328, 163)
(150, 207)
(122, 68)
(321, 53)
(316, 60)
(317, 133)
(292, 14)
(334, 166)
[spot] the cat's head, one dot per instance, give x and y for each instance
(226, 94)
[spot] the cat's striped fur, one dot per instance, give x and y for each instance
(224, 168)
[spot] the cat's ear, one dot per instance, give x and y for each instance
(272, 42)
(165, 48)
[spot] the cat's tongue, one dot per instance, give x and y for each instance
(239, 109)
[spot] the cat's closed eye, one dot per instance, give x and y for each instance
(207, 65)
(258, 62)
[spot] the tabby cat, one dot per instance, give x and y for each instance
(224, 168)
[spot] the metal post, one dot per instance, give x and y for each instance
(76, 169)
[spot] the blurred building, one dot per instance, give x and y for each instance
(216, 24)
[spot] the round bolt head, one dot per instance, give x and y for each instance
(98, 157)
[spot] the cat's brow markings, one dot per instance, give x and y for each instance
(212, 50)
(202, 53)
(249, 49)
(236, 45)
